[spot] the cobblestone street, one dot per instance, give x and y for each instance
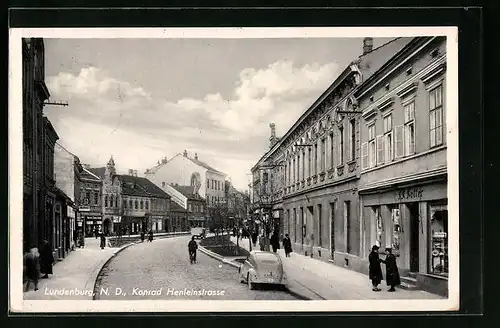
(163, 264)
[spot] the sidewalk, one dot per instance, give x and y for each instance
(318, 280)
(76, 274)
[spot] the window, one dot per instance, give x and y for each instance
(106, 201)
(331, 150)
(372, 155)
(142, 205)
(309, 159)
(125, 203)
(378, 226)
(293, 181)
(320, 226)
(323, 154)
(111, 201)
(303, 165)
(409, 129)
(298, 168)
(190, 207)
(353, 140)
(208, 183)
(96, 198)
(388, 138)
(341, 146)
(146, 204)
(136, 204)
(116, 200)
(315, 166)
(439, 241)
(286, 174)
(290, 172)
(436, 116)
(130, 204)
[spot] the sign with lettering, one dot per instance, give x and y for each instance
(84, 208)
(410, 193)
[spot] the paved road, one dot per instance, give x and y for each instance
(162, 267)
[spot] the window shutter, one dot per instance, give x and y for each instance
(380, 149)
(364, 155)
(399, 142)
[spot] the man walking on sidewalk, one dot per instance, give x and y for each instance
(375, 271)
(287, 245)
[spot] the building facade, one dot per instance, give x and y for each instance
(130, 204)
(403, 183)
(89, 218)
(185, 170)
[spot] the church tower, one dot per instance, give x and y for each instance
(110, 167)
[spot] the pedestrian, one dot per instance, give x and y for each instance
(32, 265)
(103, 240)
(254, 237)
(262, 242)
(46, 259)
(375, 271)
(150, 238)
(392, 273)
(275, 242)
(142, 236)
(287, 245)
(96, 233)
(82, 240)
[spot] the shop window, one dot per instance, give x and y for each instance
(439, 239)
(396, 231)
(378, 226)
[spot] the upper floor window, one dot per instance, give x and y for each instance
(111, 201)
(331, 150)
(323, 154)
(409, 128)
(341, 145)
(309, 162)
(352, 141)
(436, 116)
(136, 204)
(388, 141)
(293, 181)
(106, 204)
(146, 204)
(130, 203)
(116, 200)
(125, 203)
(142, 204)
(372, 154)
(303, 164)
(315, 165)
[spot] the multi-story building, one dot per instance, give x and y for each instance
(185, 170)
(403, 183)
(44, 205)
(131, 204)
(190, 209)
(237, 204)
(317, 164)
(67, 170)
(89, 218)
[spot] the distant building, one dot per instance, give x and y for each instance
(131, 204)
(90, 214)
(185, 170)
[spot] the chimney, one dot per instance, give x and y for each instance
(367, 45)
(185, 153)
(196, 156)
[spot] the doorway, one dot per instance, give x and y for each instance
(414, 236)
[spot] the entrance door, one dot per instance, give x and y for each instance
(332, 229)
(414, 236)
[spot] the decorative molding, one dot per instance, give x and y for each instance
(352, 166)
(322, 176)
(385, 104)
(435, 73)
(411, 88)
(331, 173)
(315, 178)
(340, 170)
(372, 110)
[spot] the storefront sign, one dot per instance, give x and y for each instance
(84, 208)
(410, 193)
(439, 235)
(98, 222)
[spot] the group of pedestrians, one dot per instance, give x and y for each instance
(37, 263)
(150, 236)
(375, 270)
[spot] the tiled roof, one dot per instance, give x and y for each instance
(187, 191)
(139, 186)
(99, 171)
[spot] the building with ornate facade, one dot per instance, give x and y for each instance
(131, 204)
(185, 170)
(403, 182)
(89, 218)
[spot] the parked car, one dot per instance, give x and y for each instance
(262, 268)
(198, 232)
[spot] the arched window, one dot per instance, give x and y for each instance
(125, 203)
(142, 205)
(116, 201)
(112, 201)
(106, 201)
(147, 205)
(136, 204)
(130, 203)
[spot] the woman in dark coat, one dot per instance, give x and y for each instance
(392, 272)
(142, 236)
(46, 259)
(375, 271)
(275, 242)
(150, 237)
(103, 240)
(287, 245)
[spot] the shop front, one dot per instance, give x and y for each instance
(412, 220)
(157, 223)
(92, 222)
(195, 221)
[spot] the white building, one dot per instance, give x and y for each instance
(185, 170)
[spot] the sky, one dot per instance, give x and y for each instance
(140, 100)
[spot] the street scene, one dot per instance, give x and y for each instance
(191, 169)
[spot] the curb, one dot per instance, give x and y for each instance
(217, 256)
(97, 281)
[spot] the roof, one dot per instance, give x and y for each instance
(139, 186)
(188, 192)
(87, 173)
(174, 207)
(194, 160)
(99, 171)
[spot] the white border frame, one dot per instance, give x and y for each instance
(17, 304)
